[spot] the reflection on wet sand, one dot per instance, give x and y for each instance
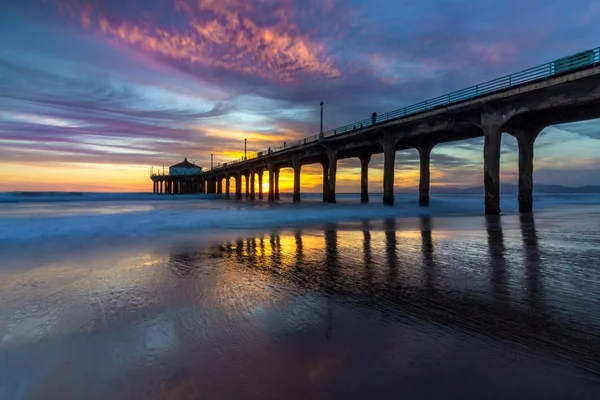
(427, 251)
(391, 250)
(299, 256)
(500, 314)
(381, 304)
(535, 288)
(497, 258)
(369, 273)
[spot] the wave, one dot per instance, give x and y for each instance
(208, 217)
(42, 197)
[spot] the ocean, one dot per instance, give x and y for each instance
(128, 296)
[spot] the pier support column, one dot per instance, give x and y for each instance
(238, 186)
(276, 176)
(252, 185)
(325, 165)
(297, 170)
(331, 176)
(260, 184)
(425, 175)
(271, 183)
(227, 187)
(365, 159)
(491, 167)
(526, 139)
(247, 177)
(526, 175)
(389, 154)
(153, 186)
(219, 185)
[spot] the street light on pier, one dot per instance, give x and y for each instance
(321, 131)
(245, 156)
(211, 162)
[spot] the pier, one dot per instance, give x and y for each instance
(520, 104)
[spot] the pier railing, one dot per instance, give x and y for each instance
(584, 59)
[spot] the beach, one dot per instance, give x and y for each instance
(124, 297)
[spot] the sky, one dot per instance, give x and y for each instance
(93, 93)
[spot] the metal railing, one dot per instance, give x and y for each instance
(160, 171)
(563, 65)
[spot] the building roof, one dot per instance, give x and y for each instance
(185, 164)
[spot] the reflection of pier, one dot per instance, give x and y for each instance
(529, 321)
(497, 259)
(535, 289)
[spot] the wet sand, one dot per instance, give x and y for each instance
(424, 307)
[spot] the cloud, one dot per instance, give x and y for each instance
(232, 35)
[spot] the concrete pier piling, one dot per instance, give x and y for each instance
(424, 176)
(365, 159)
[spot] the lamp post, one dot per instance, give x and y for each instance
(321, 131)
(245, 157)
(211, 161)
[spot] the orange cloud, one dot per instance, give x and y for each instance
(222, 34)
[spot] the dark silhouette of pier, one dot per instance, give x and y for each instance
(520, 104)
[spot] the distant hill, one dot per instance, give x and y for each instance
(513, 189)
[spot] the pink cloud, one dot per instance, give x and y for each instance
(225, 34)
